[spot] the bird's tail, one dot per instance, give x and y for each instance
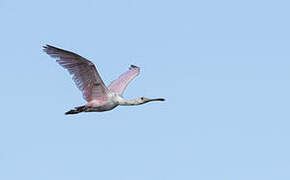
(76, 110)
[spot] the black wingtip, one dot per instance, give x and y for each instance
(49, 46)
(46, 46)
(133, 67)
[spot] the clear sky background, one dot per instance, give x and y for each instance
(223, 67)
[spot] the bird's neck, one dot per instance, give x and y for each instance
(125, 102)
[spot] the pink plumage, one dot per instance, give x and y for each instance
(119, 85)
(85, 74)
(86, 77)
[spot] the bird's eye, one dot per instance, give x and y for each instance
(142, 98)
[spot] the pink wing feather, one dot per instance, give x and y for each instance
(85, 74)
(118, 86)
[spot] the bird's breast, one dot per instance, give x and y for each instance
(98, 106)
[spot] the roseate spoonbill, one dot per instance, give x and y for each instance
(86, 77)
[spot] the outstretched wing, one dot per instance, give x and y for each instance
(118, 86)
(85, 74)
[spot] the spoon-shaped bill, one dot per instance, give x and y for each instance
(157, 99)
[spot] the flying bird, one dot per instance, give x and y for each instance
(87, 79)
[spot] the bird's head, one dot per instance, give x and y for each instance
(143, 100)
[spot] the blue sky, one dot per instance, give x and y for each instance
(223, 67)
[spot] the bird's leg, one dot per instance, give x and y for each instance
(76, 110)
